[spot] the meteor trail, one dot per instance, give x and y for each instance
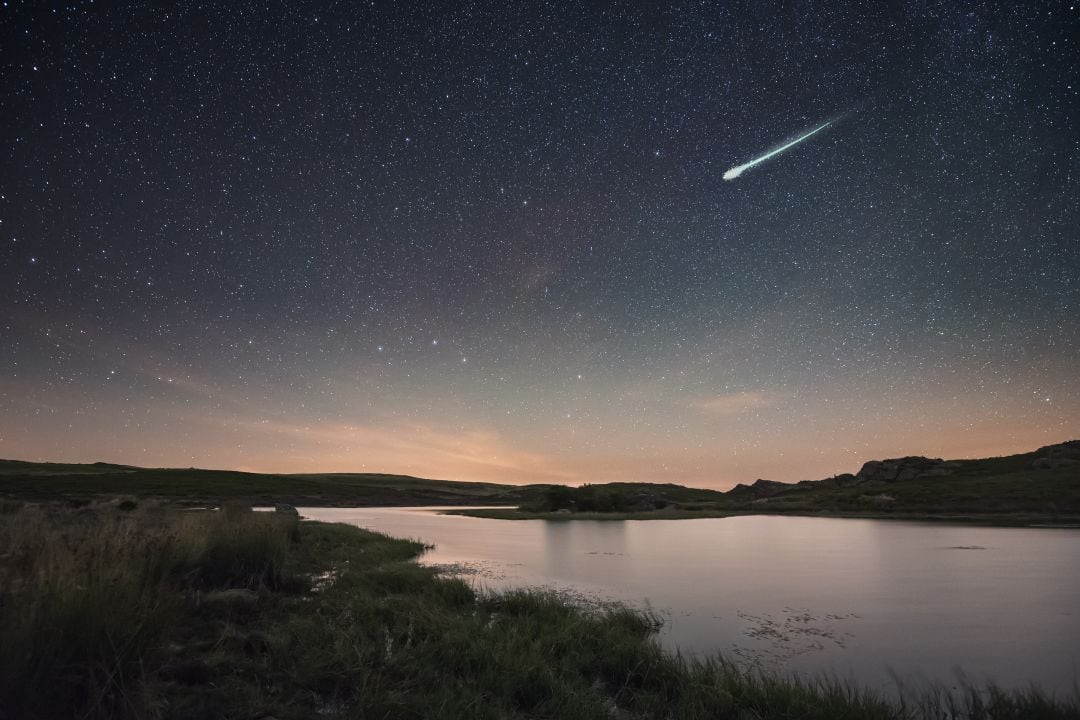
(738, 169)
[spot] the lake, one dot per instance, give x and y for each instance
(861, 599)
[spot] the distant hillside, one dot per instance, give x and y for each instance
(22, 467)
(1044, 481)
(1032, 488)
(51, 481)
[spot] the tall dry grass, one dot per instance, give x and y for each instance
(88, 597)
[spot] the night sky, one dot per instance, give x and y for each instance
(492, 241)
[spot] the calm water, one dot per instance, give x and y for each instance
(858, 598)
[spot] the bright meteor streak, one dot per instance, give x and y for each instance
(738, 169)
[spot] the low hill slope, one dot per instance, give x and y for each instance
(1046, 481)
(50, 481)
(1044, 484)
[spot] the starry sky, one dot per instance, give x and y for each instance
(492, 240)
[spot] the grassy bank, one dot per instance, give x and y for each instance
(997, 519)
(1036, 488)
(31, 481)
(522, 514)
(154, 612)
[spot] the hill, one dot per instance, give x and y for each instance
(21, 480)
(1046, 481)
(1039, 486)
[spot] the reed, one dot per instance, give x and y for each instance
(90, 596)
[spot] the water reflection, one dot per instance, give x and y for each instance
(852, 597)
(564, 543)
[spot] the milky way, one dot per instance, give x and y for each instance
(493, 241)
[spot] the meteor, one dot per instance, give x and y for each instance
(738, 169)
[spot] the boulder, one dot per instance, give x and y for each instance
(897, 469)
(286, 509)
(765, 488)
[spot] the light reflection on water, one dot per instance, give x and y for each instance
(858, 598)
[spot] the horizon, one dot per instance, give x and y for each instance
(721, 487)
(598, 244)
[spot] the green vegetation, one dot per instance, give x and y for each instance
(669, 513)
(54, 481)
(617, 497)
(166, 613)
(90, 596)
(1041, 487)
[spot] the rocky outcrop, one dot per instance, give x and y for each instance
(765, 488)
(875, 472)
(900, 469)
(875, 476)
(762, 489)
(844, 480)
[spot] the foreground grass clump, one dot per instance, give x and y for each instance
(385, 638)
(197, 631)
(90, 596)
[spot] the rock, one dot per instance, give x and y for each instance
(897, 469)
(907, 473)
(286, 509)
(765, 488)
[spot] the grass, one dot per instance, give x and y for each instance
(669, 513)
(67, 482)
(90, 597)
(158, 613)
(720, 511)
(978, 488)
(1012, 490)
(999, 491)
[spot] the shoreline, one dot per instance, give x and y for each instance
(1019, 520)
(253, 614)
